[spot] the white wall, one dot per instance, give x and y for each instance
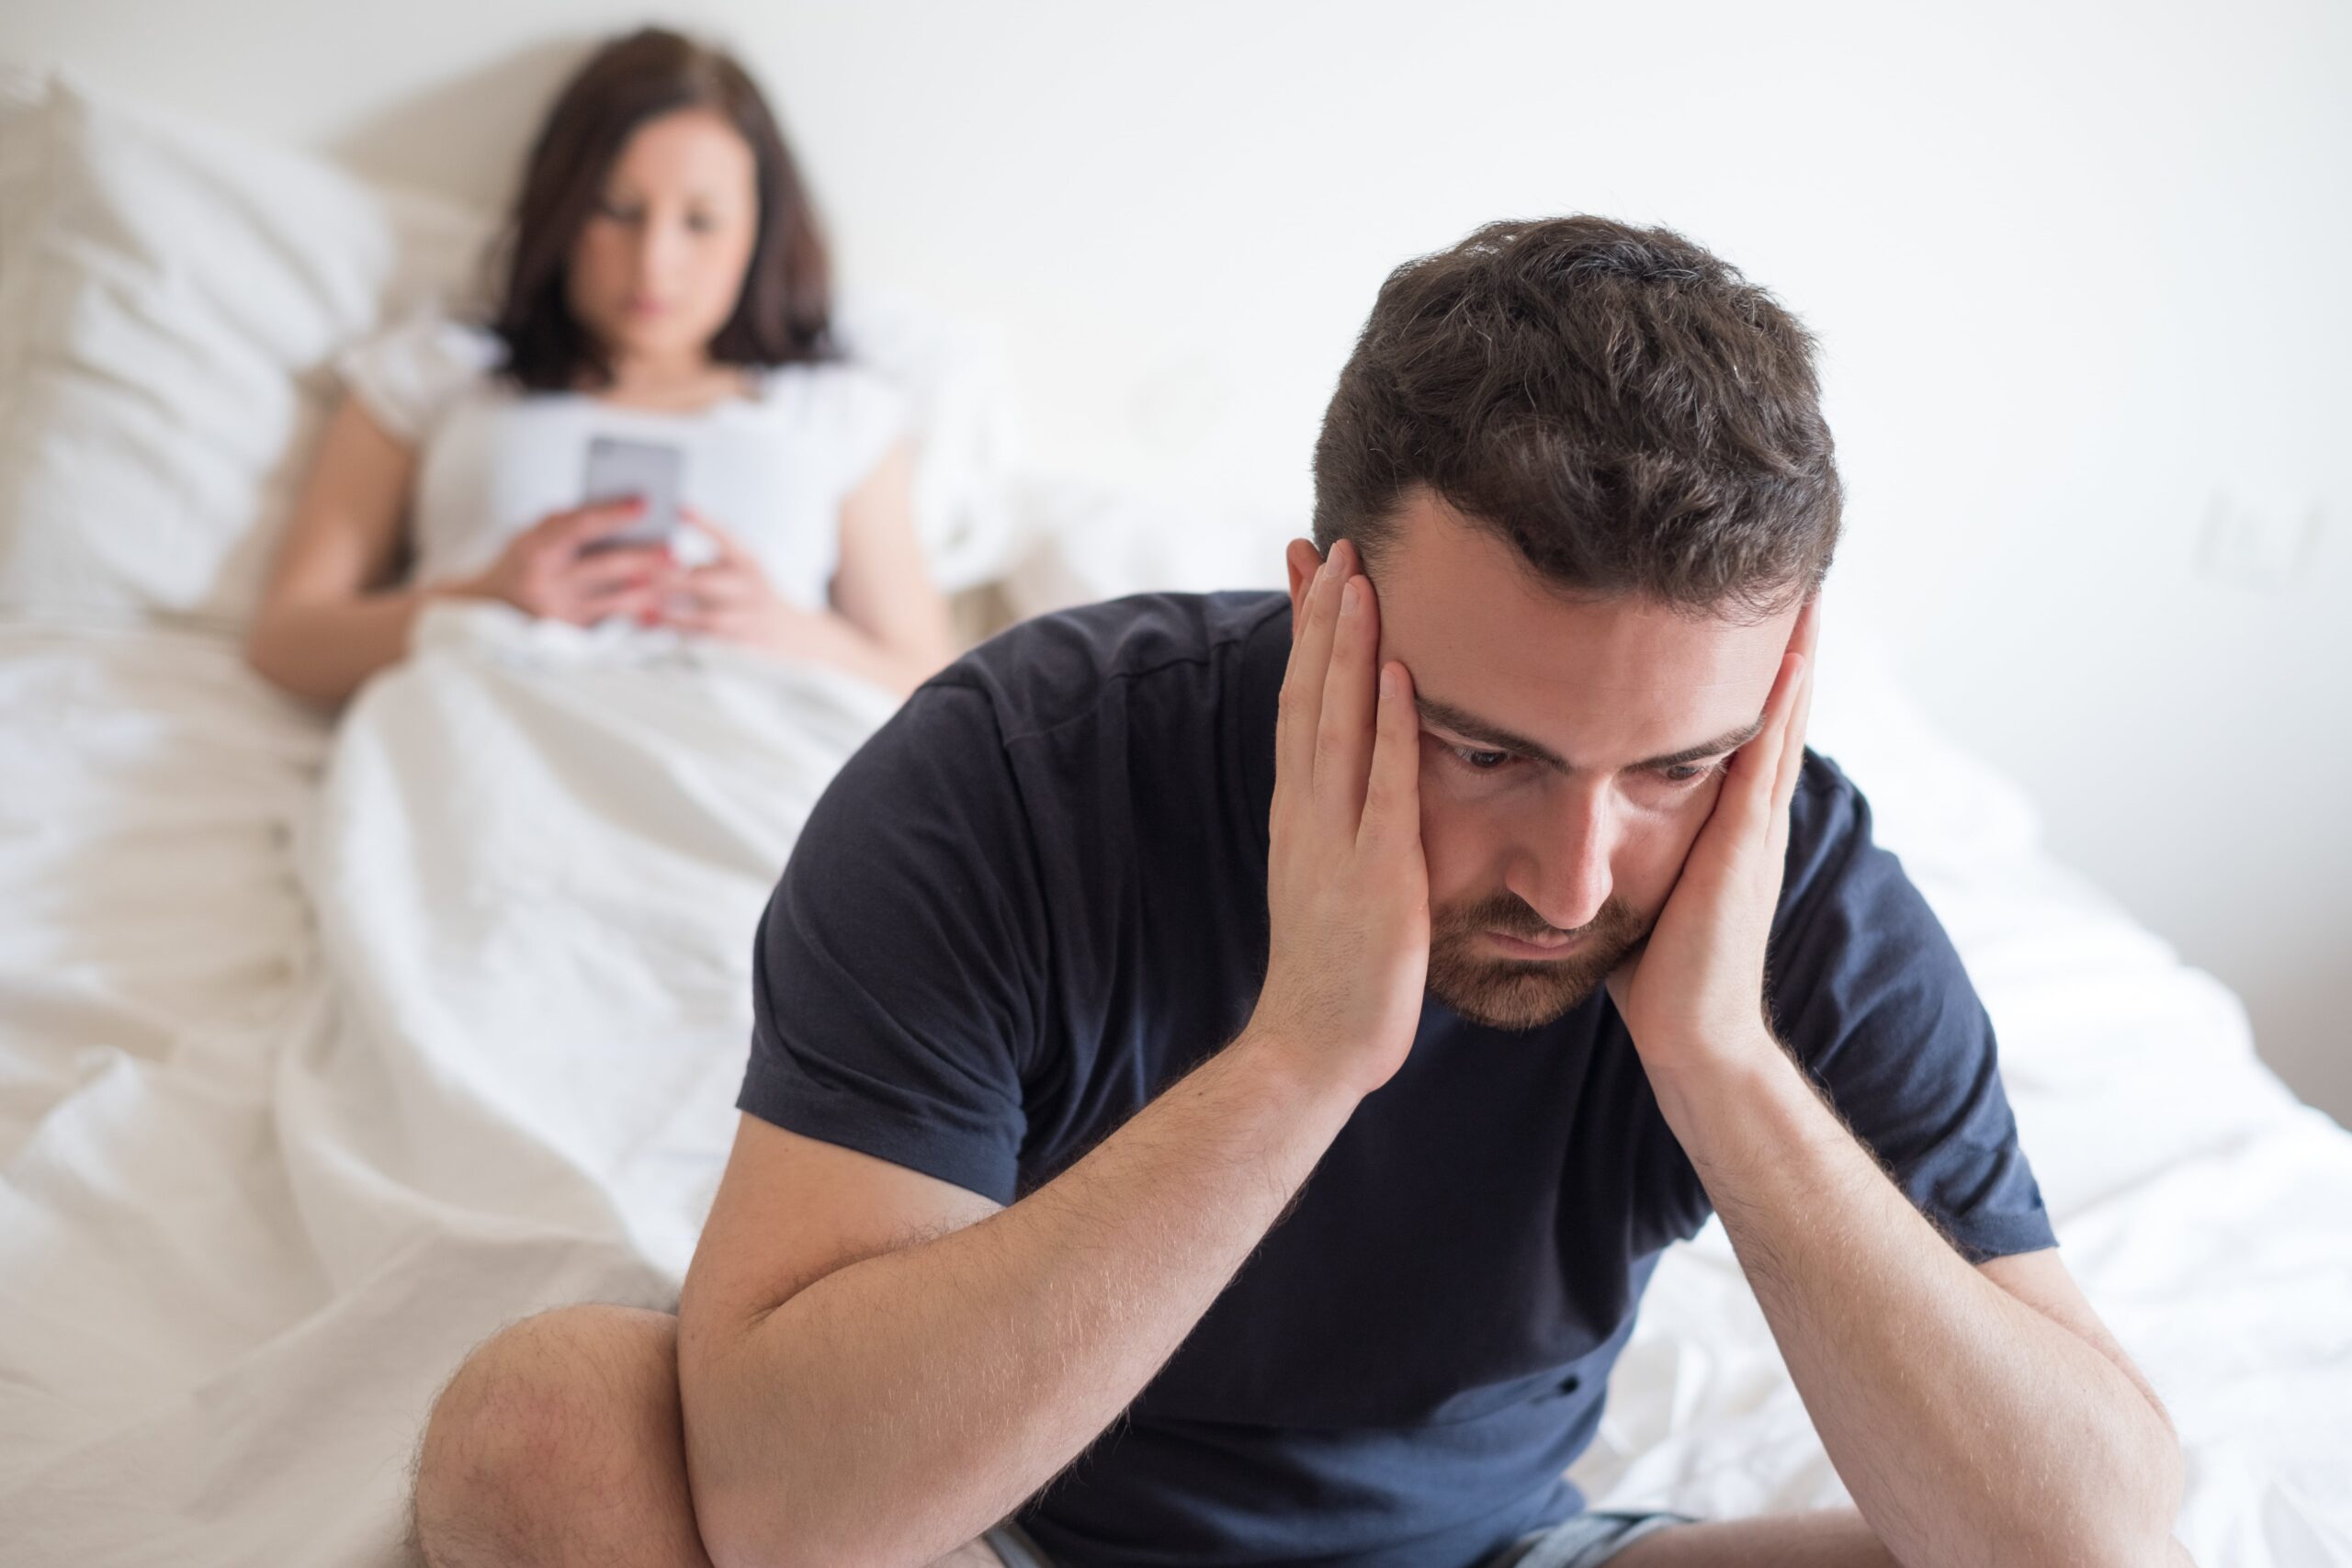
(2079, 271)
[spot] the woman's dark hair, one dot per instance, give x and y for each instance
(784, 313)
(1624, 409)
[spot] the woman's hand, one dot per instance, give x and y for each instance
(555, 569)
(731, 599)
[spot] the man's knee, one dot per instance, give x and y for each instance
(544, 1427)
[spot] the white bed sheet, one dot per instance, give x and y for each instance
(322, 1053)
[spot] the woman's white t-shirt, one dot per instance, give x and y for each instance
(772, 467)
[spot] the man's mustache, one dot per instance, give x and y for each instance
(1513, 916)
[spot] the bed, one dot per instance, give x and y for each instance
(328, 1048)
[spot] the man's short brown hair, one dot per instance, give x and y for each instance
(1621, 406)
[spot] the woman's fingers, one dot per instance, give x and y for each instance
(719, 585)
(608, 569)
(727, 625)
(731, 548)
(638, 601)
(585, 525)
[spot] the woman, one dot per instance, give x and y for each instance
(664, 283)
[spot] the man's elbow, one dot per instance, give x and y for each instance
(2131, 1524)
(741, 1478)
(2135, 1542)
(737, 1531)
(2163, 1473)
(742, 1526)
(766, 1525)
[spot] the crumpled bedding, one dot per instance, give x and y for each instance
(324, 1052)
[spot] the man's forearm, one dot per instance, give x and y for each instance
(1969, 1426)
(900, 1406)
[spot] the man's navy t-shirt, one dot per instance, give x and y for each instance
(1037, 897)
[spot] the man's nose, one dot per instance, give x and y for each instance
(1564, 873)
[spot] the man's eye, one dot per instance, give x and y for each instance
(1688, 773)
(1477, 759)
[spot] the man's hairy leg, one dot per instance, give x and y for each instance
(559, 1440)
(1832, 1538)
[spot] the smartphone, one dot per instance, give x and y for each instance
(653, 471)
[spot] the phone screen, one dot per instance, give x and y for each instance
(619, 468)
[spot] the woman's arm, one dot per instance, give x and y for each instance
(888, 624)
(330, 617)
(883, 587)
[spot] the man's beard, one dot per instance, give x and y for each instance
(1523, 993)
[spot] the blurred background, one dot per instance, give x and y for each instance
(2076, 271)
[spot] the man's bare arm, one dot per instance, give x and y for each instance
(1969, 1426)
(899, 1404)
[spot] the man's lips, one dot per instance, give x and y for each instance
(1519, 947)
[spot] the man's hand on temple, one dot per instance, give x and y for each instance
(1695, 990)
(1347, 888)
(1969, 1425)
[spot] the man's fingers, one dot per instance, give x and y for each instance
(1344, 734)
(1302, 693)
(1807, 636)
(1392, 799)
(1784, 787)
(1792, 761)
(1752, 785)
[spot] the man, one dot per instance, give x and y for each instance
(1227, 1067)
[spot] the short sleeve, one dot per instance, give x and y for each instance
(860, 413)
(1869, 993)
(409, 373)
(878, 416)
(897, 966)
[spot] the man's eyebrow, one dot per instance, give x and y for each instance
(1470, 727)
(1721, 745)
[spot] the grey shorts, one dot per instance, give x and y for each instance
(1585, 1541)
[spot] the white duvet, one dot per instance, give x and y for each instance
(325, 1053)
(324, 1057)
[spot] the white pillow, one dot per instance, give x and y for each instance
(171, 297)
(959, 409)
